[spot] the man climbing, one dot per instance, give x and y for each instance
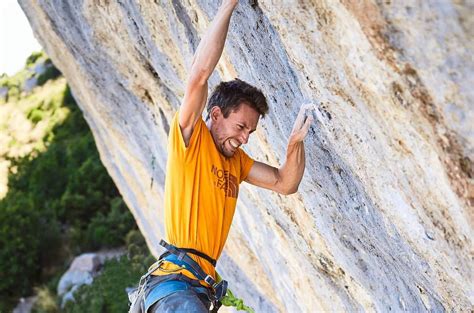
(204, 170)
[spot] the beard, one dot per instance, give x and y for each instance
(222, 142)
(224, 146)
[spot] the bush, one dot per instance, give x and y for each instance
(63, 195)
(31, 60)
(109, 230)
(36, 115)
(51, 72)
(46, 301)
(60, 201)
(13, 92)
(19, 256)
(107, 292)
(135, 237)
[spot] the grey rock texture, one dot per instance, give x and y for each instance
(84, 268)
(81, 272)
(25, 305)
(29, 84)
(32, 81)
(3, 92)
(383, 220)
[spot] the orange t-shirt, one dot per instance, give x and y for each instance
(201, 192)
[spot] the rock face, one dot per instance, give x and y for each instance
(383, 217)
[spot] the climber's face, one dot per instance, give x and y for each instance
(232, 132)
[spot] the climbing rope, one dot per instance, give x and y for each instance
(230, 300)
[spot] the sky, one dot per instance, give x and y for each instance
(16, 37)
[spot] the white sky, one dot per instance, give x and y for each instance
(16, 37)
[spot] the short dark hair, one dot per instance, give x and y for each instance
(229, 95)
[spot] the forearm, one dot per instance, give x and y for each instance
(212, 44)
(291, 173)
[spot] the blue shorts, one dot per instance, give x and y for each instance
(175, 293)
(181, 301)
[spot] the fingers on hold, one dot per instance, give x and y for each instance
(300, 119)
(303, 117)
(305, 127)
(310, 105)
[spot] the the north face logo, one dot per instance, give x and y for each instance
(225, 181)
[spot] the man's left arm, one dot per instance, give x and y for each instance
(286, 179)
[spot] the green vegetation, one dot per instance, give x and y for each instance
(51, 72)
(16, 82)
(34, 57)
(60, 202)
(46, 301)
(107, 292)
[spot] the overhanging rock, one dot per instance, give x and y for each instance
(383, 218)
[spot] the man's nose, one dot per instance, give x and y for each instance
(244, 138)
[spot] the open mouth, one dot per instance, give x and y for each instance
(234, 143)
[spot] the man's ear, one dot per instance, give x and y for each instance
(215, 113)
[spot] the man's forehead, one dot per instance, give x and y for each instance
(245, 108)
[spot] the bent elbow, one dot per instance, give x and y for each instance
(285, 187)
(199, 76)
(288, 191)
(292, 191)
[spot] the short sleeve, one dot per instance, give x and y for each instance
(176, 145)
(246, 164)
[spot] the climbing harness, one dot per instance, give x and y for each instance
(145, 295)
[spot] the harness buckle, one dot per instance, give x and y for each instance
(220, 289)
(210, 281)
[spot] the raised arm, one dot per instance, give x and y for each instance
(286, 179)
(205, 60)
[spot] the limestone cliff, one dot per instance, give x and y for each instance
(383, 219)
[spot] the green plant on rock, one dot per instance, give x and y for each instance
(107, 292)
(46, 301)
(109, 230)
(36, 115)
(35, 56)
(51, 72)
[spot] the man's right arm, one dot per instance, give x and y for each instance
(205, 60)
